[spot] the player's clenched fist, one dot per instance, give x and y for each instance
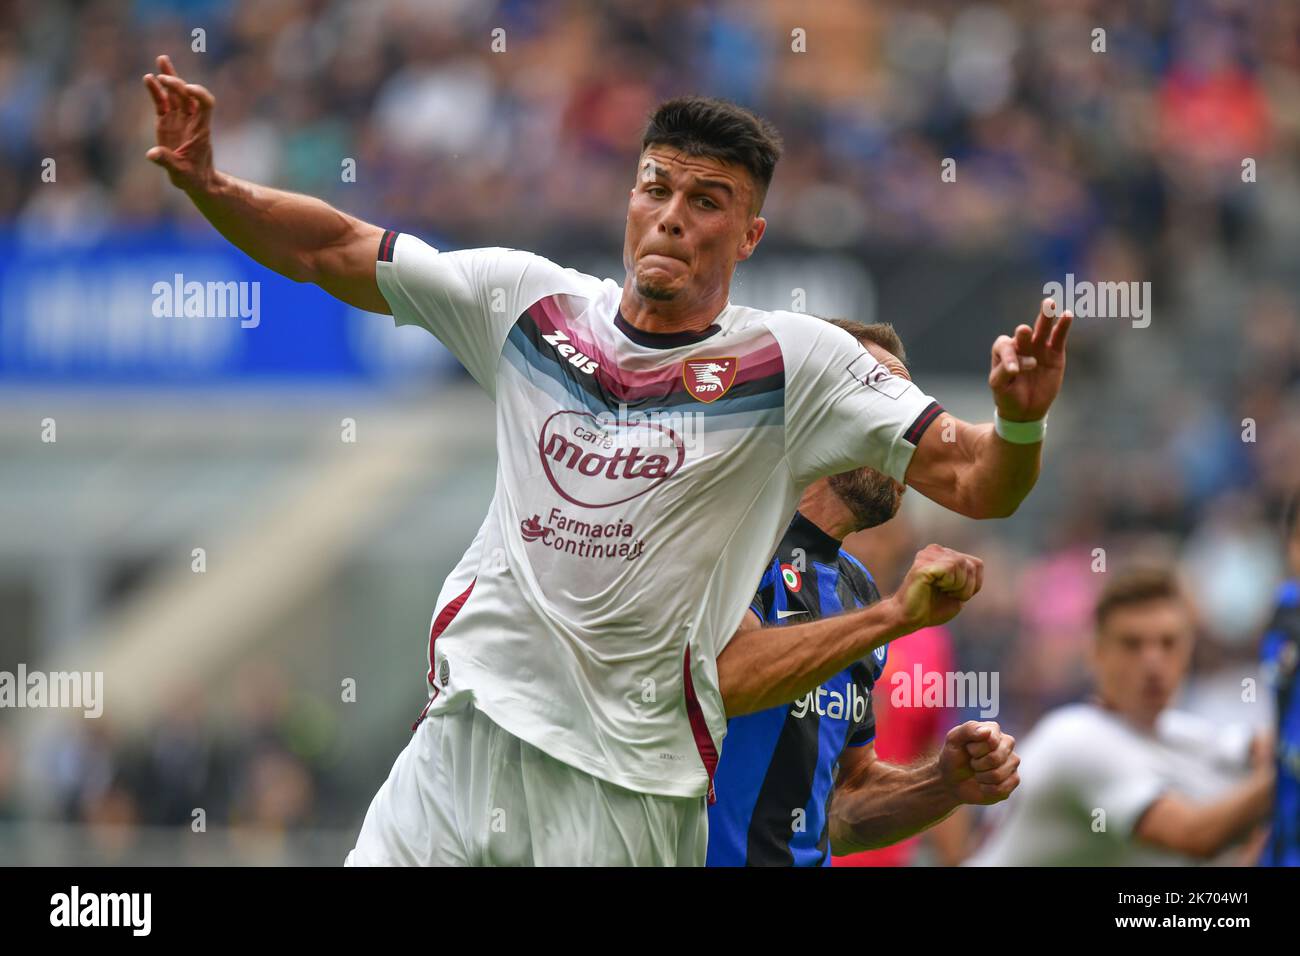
(939, 582)
(978, 763)
(183, 128)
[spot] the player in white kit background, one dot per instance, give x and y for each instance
(653, 440)
(1125, 779)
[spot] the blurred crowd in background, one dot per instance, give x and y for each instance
(269, 768)
(1064, 152)
(1122, 165)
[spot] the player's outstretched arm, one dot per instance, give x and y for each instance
(766, 667)
(973, 469)
(297, 236)
(876, 804)
(1203, 830)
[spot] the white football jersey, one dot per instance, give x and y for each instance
(643, 481)
(1088, 775)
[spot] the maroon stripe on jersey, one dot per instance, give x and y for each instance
(700, 728)
(922, 422)
(445, 617)
(630, 385)
(386, 245)
(424, 711)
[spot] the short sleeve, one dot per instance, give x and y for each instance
(763, 597)
(1125, 801)
(469, 299)
(867, 732)
(844, 409)
(1112, 776)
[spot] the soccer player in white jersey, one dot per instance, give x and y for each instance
(574, 712)
(1125, 780)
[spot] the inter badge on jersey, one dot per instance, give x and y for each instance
(707, 379)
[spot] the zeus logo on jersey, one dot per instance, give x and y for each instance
(850, 705)
(560, 341)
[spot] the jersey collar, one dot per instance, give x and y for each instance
(662, 340)
(819, 545)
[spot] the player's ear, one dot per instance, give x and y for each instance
(757, 226)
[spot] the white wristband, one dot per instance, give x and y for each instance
(1020, 433)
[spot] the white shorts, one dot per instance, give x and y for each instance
(464, 792)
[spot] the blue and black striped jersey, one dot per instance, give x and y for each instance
(1280, 654)
(777, 771)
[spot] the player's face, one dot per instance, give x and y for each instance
(1142, 655)
(690, 219)
(873, 497)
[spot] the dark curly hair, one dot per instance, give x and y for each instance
(718, 129)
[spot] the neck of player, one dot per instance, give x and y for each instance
(824, 508)
(671, 316)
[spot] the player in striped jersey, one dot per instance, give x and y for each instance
(1280, 653)
(799, 779)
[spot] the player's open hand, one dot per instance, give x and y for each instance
(978, 763)
(183, 127)
(939, 582)
(1028, 367)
